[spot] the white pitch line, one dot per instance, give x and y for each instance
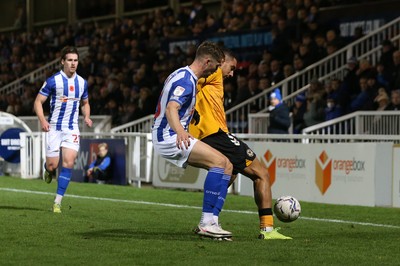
(191, 207)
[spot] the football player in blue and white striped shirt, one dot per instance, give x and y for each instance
(66, 90)
(173, 142)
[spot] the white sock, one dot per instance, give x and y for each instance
(206, 217)
(267, 229)
(58, 199)
(215, 218)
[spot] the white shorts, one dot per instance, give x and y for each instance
(55, 139)
(169, 151)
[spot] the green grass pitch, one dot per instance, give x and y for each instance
(122, 225)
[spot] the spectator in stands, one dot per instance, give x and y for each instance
(351, 79)
(315, 109)
(320, 46)
(263, 69)
(288, 70)
(395, 71)
(382, 76)
(387, 54)
(298, 109)
(99, 170)
(147, 102)
(332, 109)
(298, 64)
(394, 101)
(243, 92)
(382, 99)
(365, 69)
(363, 100)
(333, 38)
(276, 74)
(305, 55)
(229, 94)
(279, 118)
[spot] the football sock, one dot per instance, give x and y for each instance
(58, 199)
(63, 180)
(206, 217)
(222, 194)
(266, 219)
(215, 218)
(211, 191)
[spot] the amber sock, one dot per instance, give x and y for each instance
(266, 219)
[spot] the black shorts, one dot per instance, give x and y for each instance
(233, 148)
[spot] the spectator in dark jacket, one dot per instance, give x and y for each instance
(279, 119)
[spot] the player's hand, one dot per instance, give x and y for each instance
(196, 117)
(88, 122)
(45, 126)
(183, 139)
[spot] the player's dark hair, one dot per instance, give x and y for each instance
(210, 48)
(228, 52)
(68, 50)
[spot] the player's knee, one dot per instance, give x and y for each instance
(223, 162)
(228, 166)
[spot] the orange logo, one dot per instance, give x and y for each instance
(71, 88)
(323, 172)
(271, 166)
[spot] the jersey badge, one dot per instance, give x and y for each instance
(179, 91)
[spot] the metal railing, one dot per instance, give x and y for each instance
(138, 155)
(333, 66)
(259, 123)
(142, 125)
(39, 74)
(359, 123)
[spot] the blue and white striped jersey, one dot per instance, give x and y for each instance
(180, 86)
(65, 95)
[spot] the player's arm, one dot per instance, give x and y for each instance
(38, 107)
(86, 112)
(174, 122)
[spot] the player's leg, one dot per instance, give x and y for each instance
(68, 159)
(215, 185)
(258, 173)
(53, 140)
(69, 151)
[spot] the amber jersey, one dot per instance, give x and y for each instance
(210, 106)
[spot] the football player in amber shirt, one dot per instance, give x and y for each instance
(209, 125)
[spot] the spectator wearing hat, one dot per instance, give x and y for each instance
(279, 117)
(350, 80)
(298, 109)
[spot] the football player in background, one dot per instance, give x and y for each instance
(66, 90)
(209, 125)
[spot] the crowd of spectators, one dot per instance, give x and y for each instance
(127, 63)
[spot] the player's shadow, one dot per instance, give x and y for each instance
(134, 234)
(19, 208)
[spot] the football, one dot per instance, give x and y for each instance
(287, 209)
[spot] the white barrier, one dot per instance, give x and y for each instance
(351, 173)
(340, 173)
(356, 171)
(138, 154)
